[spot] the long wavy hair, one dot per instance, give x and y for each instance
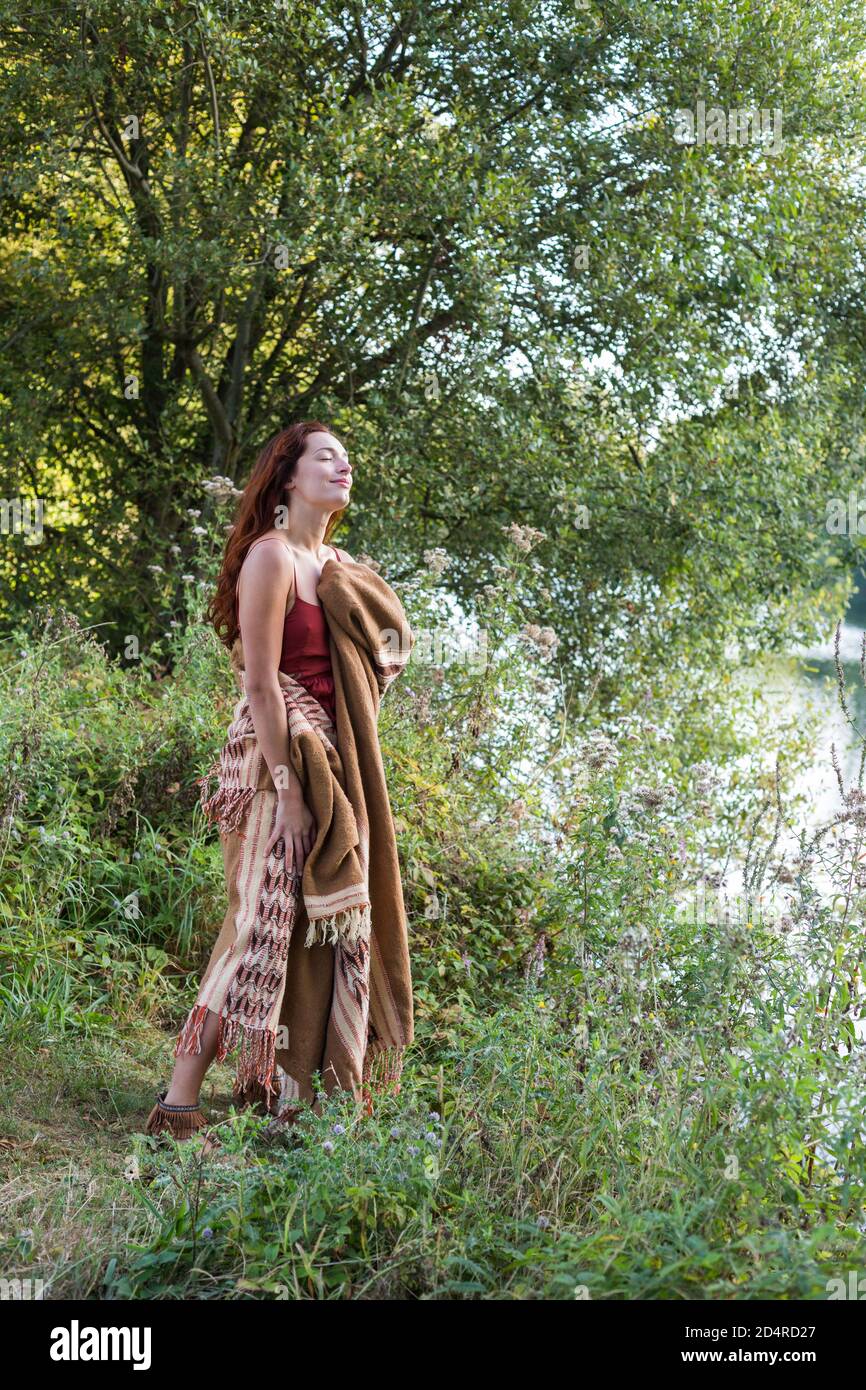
(257, 509)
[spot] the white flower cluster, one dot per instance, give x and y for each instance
(599, 752)
(221, 488)
(543, 638)
(706, 780)
(653, 797)
(437, 560)
(661, 734)
(524, 537)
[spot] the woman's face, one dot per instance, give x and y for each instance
(323, 475)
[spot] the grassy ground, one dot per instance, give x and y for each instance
(525, 1168)
(67, 1117)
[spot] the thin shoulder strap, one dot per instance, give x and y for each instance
(259, 541)
(337, 553)
(250, 551)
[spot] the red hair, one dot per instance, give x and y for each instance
(257, 509)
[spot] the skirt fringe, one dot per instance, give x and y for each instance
(382, 1069)
(228, 806)
(256, 1063)
(348, 927)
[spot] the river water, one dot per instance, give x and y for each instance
(805, 682)
(801, 687)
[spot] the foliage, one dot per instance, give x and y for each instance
(471, 238)
(617, 1089)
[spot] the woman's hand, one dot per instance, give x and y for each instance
(296, 827)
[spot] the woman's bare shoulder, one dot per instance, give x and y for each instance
(266, 563)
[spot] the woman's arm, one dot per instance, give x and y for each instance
(266, 577)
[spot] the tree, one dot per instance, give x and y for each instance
(474, 237)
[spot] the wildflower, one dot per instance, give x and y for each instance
(221, 488)
(437, 560)
(430, 1136)
(191, 511)
(188, 578)
(156, 569)
(544, 639)
(328, 1146)
(706, 780)
(339, 1129)
(199, 531)
(599, 752)
(524, 537)
(434, 1116)
(650, 797)
(395, 1133)
(413, 1150)
(207, 1233)
(543, 1222)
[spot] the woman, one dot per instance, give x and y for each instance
(305, 823)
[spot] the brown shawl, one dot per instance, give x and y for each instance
(343, 1009)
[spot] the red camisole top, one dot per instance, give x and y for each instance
(306, 654)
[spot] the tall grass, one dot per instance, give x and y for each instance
(614, 1093)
